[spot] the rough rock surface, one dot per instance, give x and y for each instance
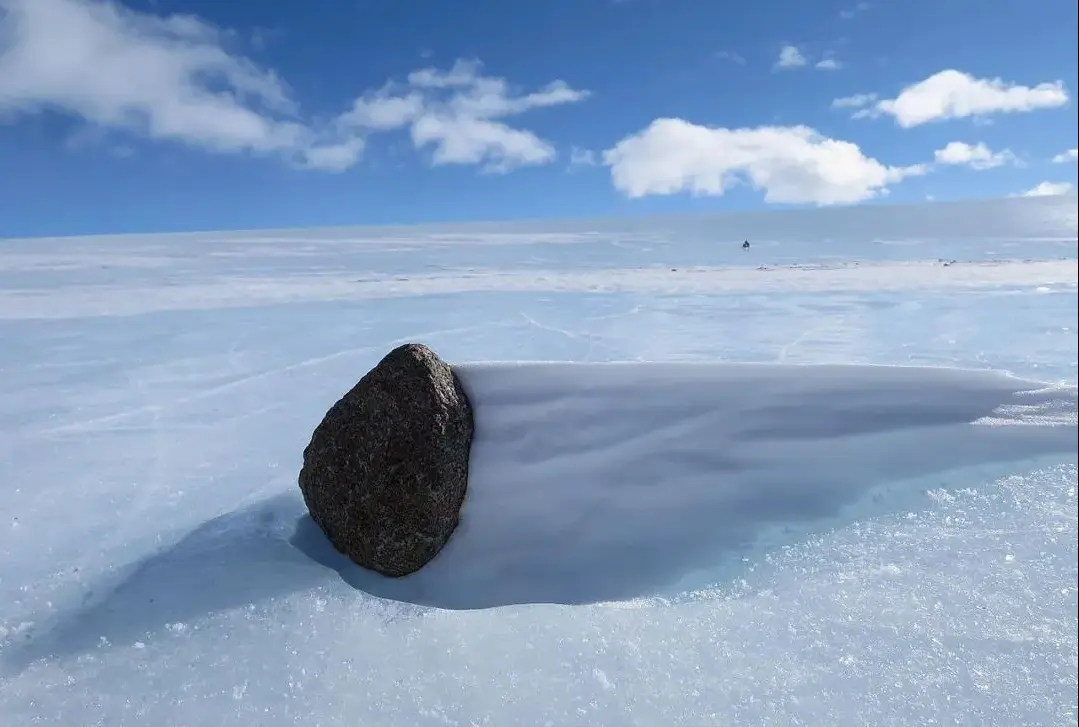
(385, 473)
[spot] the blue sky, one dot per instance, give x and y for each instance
(156, 115)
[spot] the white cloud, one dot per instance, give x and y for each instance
(792, 164)
(382, 111)
(174, 78)
(1049, 189)
(852, 12)
(726, 55)
(976, 156)
(459, 113)
(857, 101)
(333, 157)
(952, 94)
(168, 78)
(582, 157)
(790, 57)
(1065, 157)
(466, 140)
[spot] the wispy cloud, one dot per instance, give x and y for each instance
(731, 56)
(854, 11)
(857, 101)
(582, 158)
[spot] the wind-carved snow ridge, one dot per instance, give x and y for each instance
(1048, 407)
(609, 482)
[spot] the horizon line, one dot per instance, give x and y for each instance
(526, 221)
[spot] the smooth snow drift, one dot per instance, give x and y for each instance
(595, 482)
(617, 482)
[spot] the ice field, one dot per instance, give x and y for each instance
(830, 480)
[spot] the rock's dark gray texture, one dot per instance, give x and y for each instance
(386, 470)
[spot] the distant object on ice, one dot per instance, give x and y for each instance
(385, 472)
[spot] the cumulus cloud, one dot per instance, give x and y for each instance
(175, 79)
(953, 94)
(790, 57)
(791, 164)
(168, 78)
(1065, 157)
(976, 156)
(460, 114)
(1049, 189)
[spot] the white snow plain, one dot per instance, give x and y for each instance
(736, 487)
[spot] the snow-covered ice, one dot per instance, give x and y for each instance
(709, 486)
